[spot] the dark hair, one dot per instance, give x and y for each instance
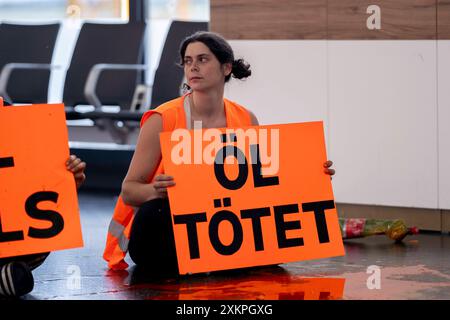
(221, 49)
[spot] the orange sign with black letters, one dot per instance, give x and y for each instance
(263, 198)
(38, 199)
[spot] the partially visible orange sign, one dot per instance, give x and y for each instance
(38, 199)
(233, 215)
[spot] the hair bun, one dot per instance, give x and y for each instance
(240, 69)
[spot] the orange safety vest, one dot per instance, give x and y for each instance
(173, 117)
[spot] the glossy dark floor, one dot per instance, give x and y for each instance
(373, 268)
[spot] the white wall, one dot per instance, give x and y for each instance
(378, 100)
(383, 122)
(444, 122)
(288, 81)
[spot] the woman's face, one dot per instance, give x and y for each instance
(202, 69)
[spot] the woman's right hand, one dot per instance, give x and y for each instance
(161, 183)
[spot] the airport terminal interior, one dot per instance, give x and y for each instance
(367, 79)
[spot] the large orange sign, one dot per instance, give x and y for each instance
(272, 204)
(38, 199)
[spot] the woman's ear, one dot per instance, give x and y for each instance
(227, 68)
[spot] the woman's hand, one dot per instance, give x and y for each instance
(76, 166)
(327, 165)
(161, 183)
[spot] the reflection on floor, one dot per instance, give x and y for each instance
(418, 268)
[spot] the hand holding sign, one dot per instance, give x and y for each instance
(327, 170)
(162, 182)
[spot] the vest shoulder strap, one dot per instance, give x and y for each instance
(169, 112)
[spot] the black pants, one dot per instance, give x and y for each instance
(152, 242)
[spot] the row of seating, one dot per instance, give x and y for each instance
(105, 69)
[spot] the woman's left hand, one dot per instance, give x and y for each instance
(327, 165)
